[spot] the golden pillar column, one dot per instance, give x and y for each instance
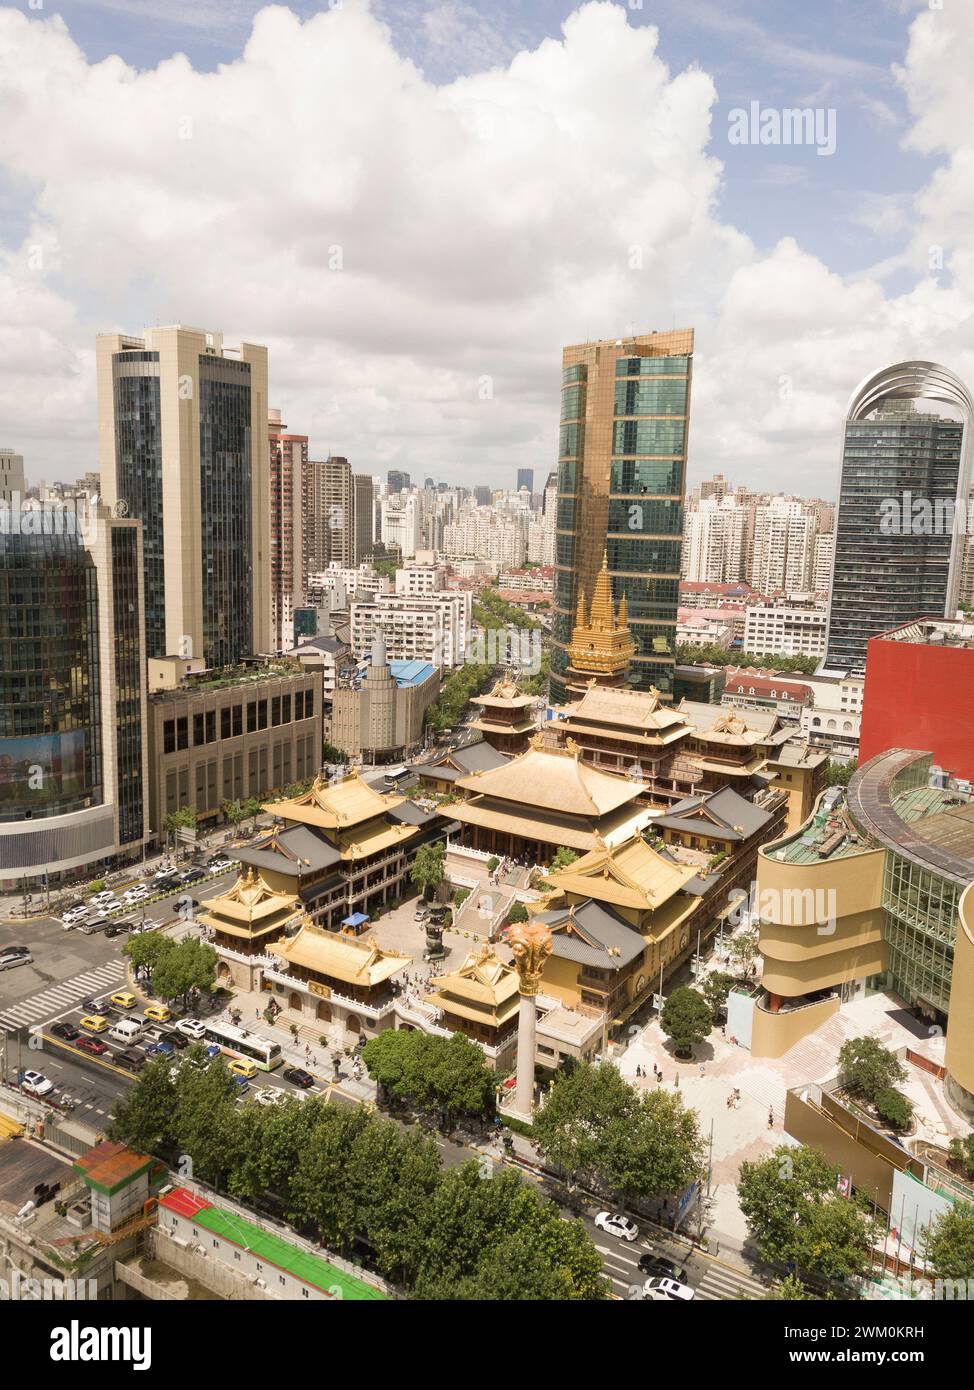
(531, 944)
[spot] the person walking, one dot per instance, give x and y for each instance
(771, 1119)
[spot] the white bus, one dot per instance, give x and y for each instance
(234, 1042)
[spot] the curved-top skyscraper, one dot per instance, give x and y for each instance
(900, 521)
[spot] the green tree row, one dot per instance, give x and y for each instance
(357, 1179)
(711, 655)
(459, 686)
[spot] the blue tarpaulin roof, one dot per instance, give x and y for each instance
(356, 919)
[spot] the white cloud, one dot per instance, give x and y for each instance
(482, 225)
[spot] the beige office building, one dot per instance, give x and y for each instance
(183, 447)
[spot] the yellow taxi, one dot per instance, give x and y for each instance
(94, 1023)
(243, 1066)
(157, 1012)
(123, 1000)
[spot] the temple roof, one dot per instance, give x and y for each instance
(554, 779)
(505, 694)
(475, 757)
(249, 901)
(637, 710)
(354, 960)
(724, 814)
(591, 934)
(630, 875)
(335, 806)
(294, 851)
(483, 978)
(737, 728)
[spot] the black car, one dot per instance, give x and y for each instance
(15, 951)
(129, 1059)
(178, 1040)
(117, 929)
(298, 1077)
(658, 1268)
(192, 876)
(67, 1031)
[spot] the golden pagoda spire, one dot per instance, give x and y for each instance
(602, 617)
(580, 612)
(623, 611)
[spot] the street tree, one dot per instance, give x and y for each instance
(949, 1248)
(191, 964)
(893, 1107)
(716, 988)
(687, 1019)
(570, 1128)
(146, 950)
(654, 1149)
(796, 1215)
(448, 1075)
(144, 1116)
(743, 950)
(392, 1176)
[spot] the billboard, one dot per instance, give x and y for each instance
(41, 768)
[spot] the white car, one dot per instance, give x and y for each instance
(221, 866)
(74, 915)
(667, 1291)
(35, 1083)
(136, 894)
(102, 896)
(615, 1224)
(192, 1027)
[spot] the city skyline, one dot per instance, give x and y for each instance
(386, 344)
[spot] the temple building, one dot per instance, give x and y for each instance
(242, 922)
(344, 849)
(544, 799)
(601, 645)
(506, 720)
(622, 917)
(686, 749)
(480, 999)
(335, 978)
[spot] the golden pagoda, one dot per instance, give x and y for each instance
(601, 647)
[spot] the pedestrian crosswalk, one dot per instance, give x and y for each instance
(50, 1002)
(722, 1282)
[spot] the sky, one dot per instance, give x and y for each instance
(417, 203)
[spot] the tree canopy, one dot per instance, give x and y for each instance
(431, 1073)
(686, 1018)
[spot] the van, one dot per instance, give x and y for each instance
(126, 1031)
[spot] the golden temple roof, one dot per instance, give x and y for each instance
(249, 902)
(337, 805)
(505, 693)
(353, 960)
(602, 642)
(636, 710)
(554, 779)
(484, 987)
(629, 875)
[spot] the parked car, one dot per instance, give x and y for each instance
(129, 1058)
(94, 1046)
(191, 1027)
(298, 1077)
(615, 1224)
(35, 1083)
(660, 1268)
(65, 1031)
(667, 1291)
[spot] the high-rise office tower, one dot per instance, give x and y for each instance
(482, 496)
(184, 448)
(288, 466)
(898, 548)
(11, 476)
(364, 503)
(525, 478)
(73, 771)
(397, 480)
(622, 463)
